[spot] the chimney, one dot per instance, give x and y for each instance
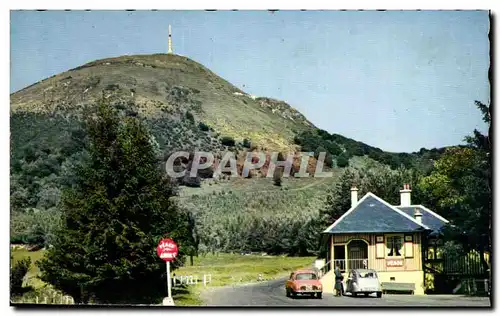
(418, 216)
(405, 195)
(354, 196)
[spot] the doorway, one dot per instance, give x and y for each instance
(358, 254)
(339, 256)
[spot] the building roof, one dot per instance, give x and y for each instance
(374, 215)
(429, 218)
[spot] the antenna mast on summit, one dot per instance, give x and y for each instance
(169, 39)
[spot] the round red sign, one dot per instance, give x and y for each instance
(167, 249)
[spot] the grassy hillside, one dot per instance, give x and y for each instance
(253, 214)
(165, 85)
(186, 107)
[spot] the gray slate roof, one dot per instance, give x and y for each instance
(429, 218)
(374, 215)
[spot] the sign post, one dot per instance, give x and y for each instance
(169, 285)
(167, 250)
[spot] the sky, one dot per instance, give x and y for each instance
(396, 80)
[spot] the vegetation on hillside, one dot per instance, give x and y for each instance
(255, 215)
(113, 216)
(167, 84)
(184, 106)
(340, 149)
(17, 273)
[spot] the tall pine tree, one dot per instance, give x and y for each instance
(113, 217)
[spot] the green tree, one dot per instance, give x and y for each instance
(113, 217)
(386, 183)
(338, 200)
(34, 226)
(193, 238)
(460, 189)
(342, 161)
(227, 141)
(379, 180)
(246, 143)
(17, 273)
(328, 156)
(190, 117)
(203, 127)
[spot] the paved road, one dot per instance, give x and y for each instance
(272, 293)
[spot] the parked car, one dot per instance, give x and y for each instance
(304, 282)
(363, 281)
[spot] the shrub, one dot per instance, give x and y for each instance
(112, 87)
(203, 127)
(17, 274)
(246, 143)
(342, 161)
(189, 117)
(194, 182)
(227, 141)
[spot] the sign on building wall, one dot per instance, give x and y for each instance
(394, 262)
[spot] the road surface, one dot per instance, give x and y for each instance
(272, 293)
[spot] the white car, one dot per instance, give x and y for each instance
(363, 281)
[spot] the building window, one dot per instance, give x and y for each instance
(394, 246)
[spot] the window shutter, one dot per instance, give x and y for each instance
(408, 246)
(380, 247)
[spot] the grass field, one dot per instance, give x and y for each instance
(235, 268)
(31, 277)
(225, 269)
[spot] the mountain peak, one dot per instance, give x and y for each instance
(160, 85)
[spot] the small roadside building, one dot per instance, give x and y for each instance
(391, 239)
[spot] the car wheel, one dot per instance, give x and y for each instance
(287, 292)
(379, 294)
(319, 295)
(293, 293)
